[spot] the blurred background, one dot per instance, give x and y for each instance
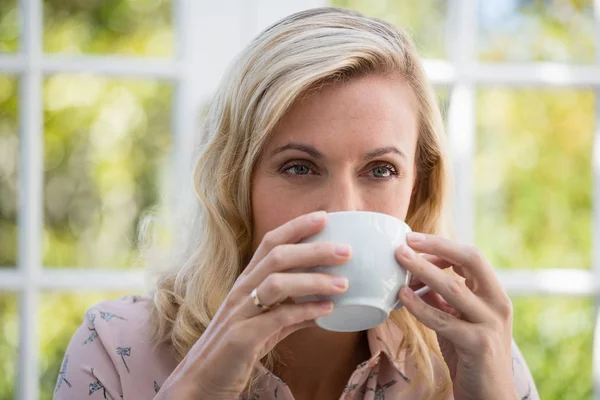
(99, 100)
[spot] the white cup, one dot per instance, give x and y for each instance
(374, 275)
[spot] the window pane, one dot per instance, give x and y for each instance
(9, 342)
(60, 316)
(555, 335)
(425, 20)
(526, 30)
(132, 27)
(9, 153)
(9, 26)
(534, 174)
(443, 98)
(107, 148)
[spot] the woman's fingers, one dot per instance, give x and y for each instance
(303, 255)
(445, 324)
(415, 283)
(279, 286)
(451, 287)
(437, 261)
(435, 300)
(286, 318)
(291, 232)
(467, 260)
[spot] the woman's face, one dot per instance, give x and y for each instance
(350, 146)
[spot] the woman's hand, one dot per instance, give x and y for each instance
(219, 364)
(471, 314)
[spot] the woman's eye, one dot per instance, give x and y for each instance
(297, 169)
(384, 171)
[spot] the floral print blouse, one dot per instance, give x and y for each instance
(110, 357)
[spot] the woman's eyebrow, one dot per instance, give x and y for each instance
(317, 154)
(300, 147)
(383, 150)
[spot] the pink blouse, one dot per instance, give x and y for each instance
(110, 357)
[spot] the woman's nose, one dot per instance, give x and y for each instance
(342, 196)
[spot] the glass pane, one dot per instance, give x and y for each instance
(107, 148)
(443, 97)
(60, 315)
(9, 26)
(425, 20)
(9, 153)
(132, 27)
(9, 342)
(555, 335)
(536, 30)
(534, 177)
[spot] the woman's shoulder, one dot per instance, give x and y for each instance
(123, 324)
(126, 317)
(112, 350)
(121, 312)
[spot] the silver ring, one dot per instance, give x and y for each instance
(257, 302)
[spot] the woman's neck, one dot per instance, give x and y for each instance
(317, 364)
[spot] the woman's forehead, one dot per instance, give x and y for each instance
(373, 110)
(373, 96)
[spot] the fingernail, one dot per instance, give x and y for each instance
(406, 252)
(343, 250)
(415, 237)
(340, 282)
(408, 292)
(327, 305)
(317, 216)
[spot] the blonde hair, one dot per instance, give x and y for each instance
(294, 56)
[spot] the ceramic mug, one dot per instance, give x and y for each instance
(374, 275)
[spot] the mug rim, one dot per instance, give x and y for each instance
(375, 213)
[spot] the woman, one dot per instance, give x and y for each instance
(326, 110)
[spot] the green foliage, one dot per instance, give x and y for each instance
(9, 151)
(555, 335)
(537, 30)
(9, 340)
(132, 27)
(424, 20)
(107, 143)
(533, 174)
(9, 26)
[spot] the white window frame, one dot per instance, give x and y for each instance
(203, 50)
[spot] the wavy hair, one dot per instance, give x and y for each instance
(293, 57)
